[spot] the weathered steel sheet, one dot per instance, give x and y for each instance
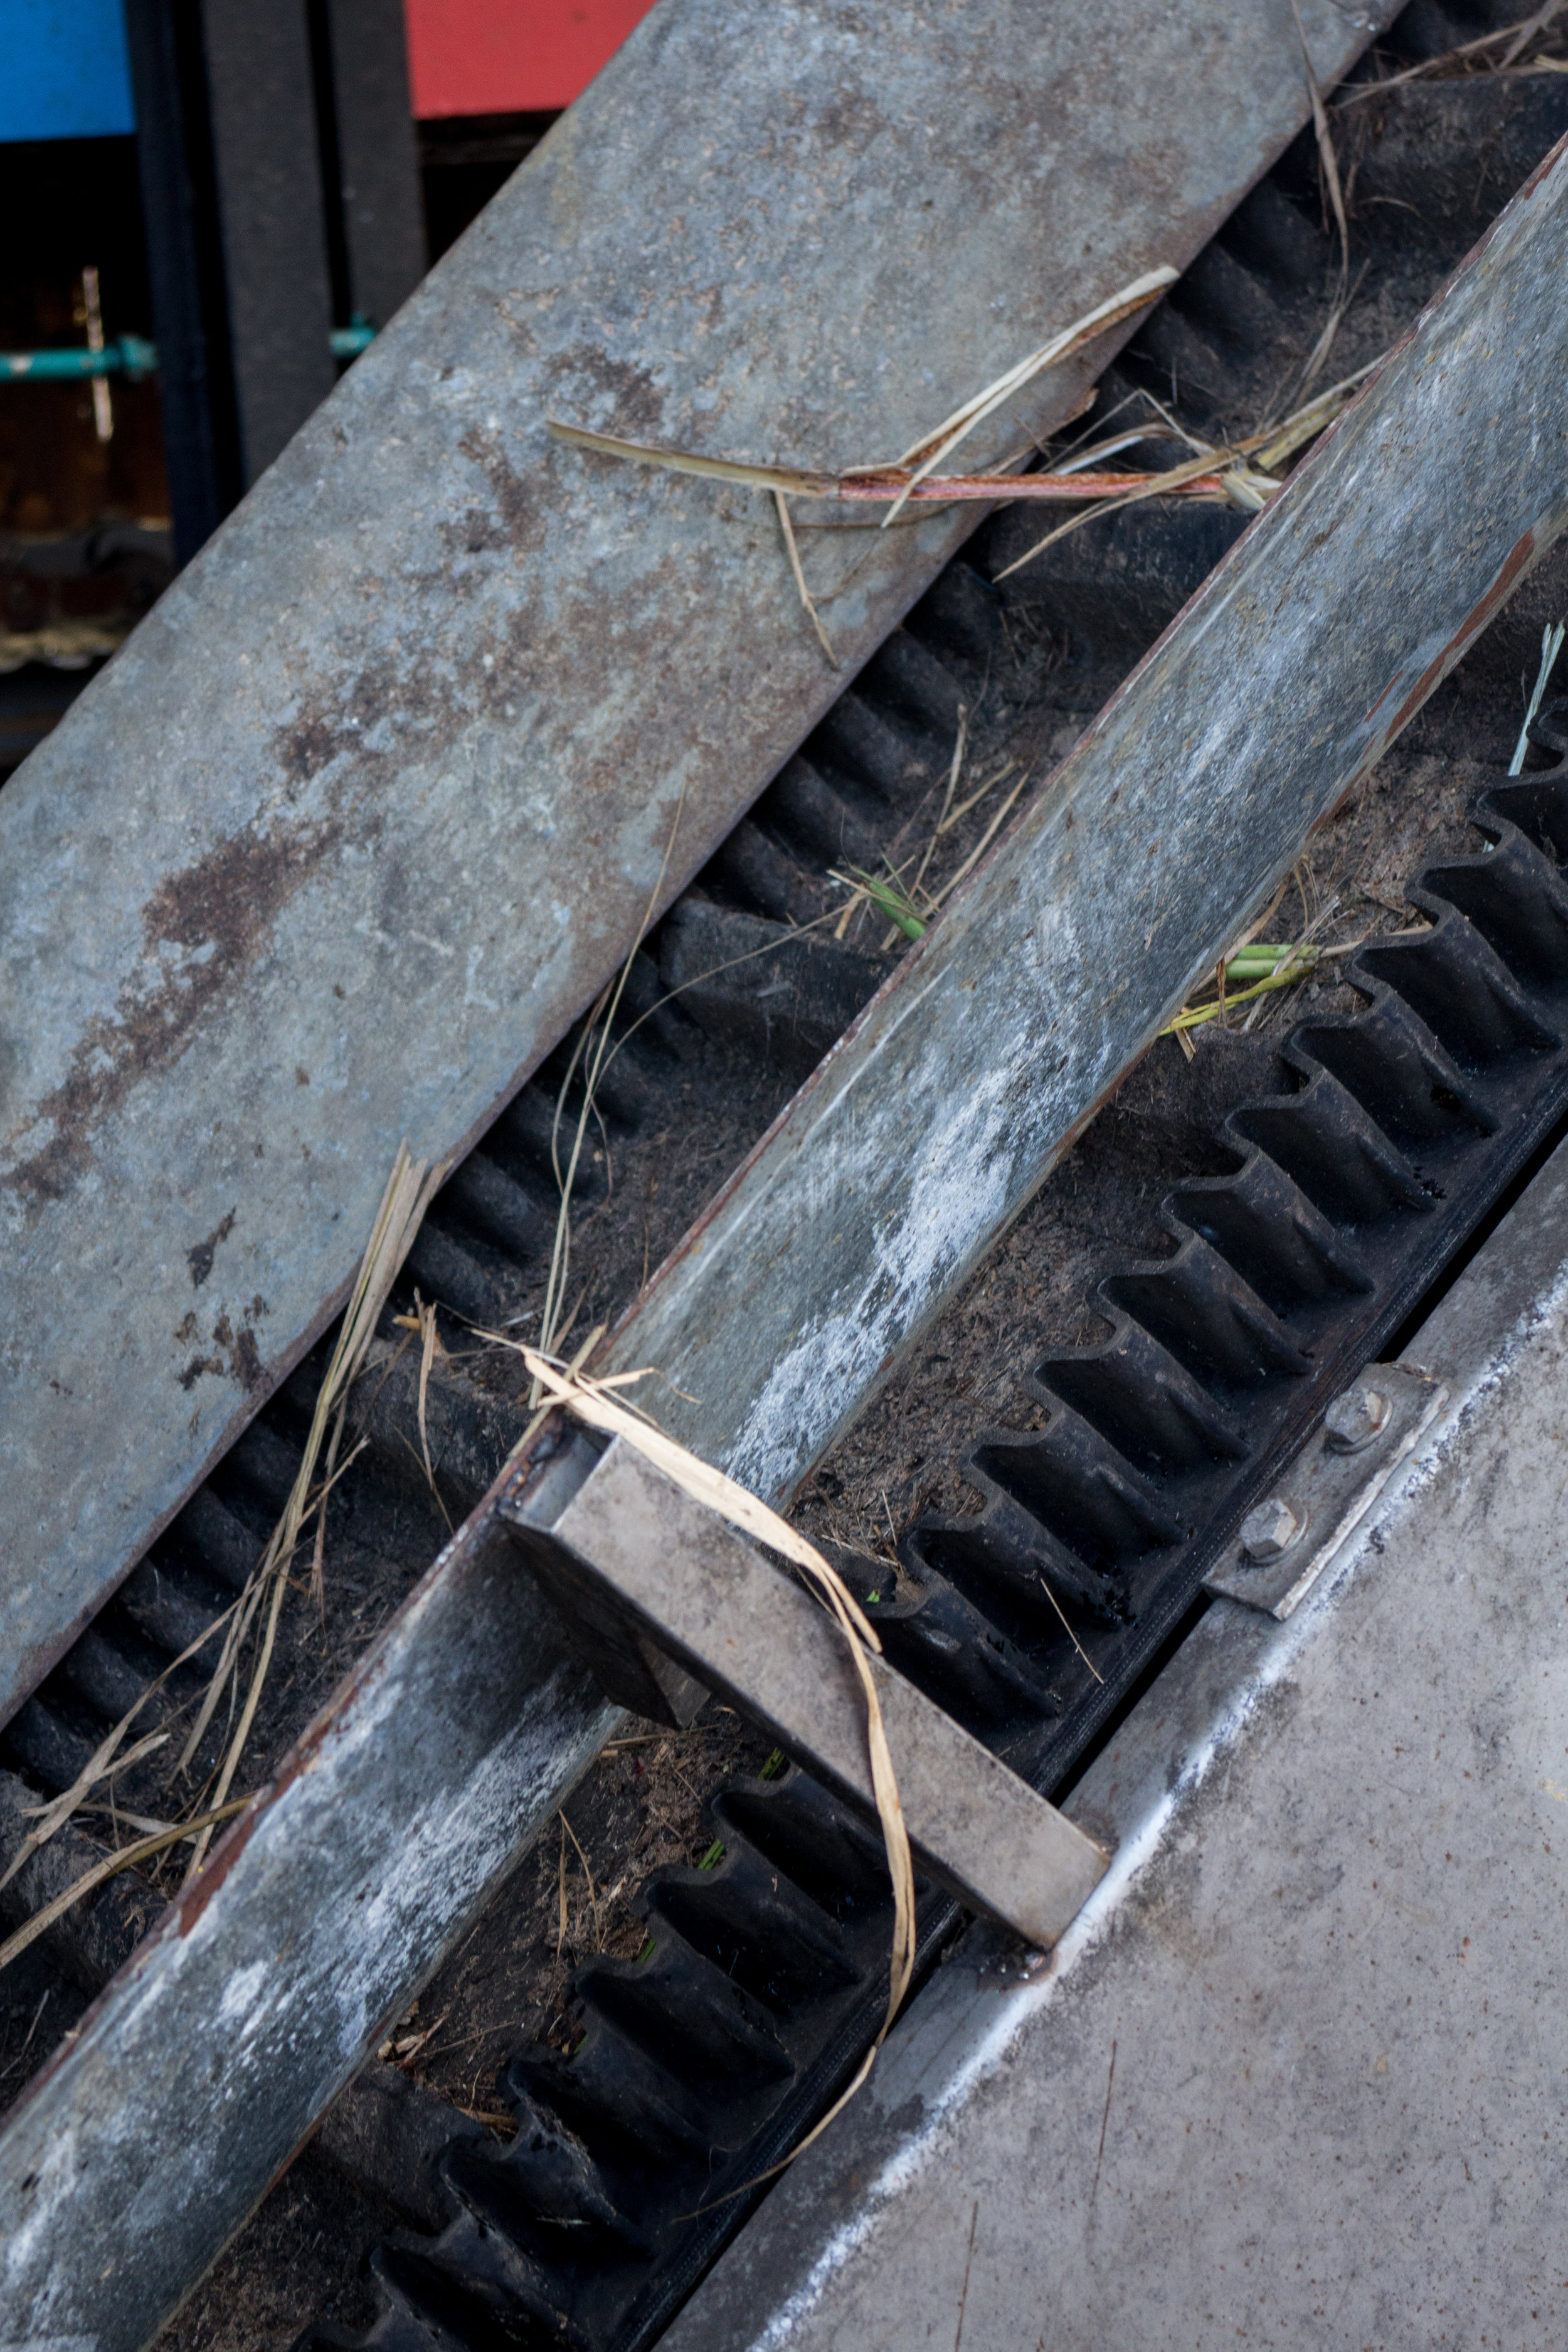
(1294, 2076)
(360, 818)
(1288, 675)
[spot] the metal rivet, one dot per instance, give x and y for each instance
(1271, 1528)
(1354, 1419)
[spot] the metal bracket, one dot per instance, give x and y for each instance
(625, 1545)
(1284, 1544)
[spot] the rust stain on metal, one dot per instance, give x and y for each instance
(1542, 171)
(219, 913)
(200, 1259)
(517, 521)
(1519, 558)
(189, 1906)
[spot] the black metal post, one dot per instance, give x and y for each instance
(185, 266)
(271, 217)
(279, 179)
(378, 157)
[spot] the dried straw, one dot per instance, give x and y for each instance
(593, 1403)
(1329, 164)
(983, 843)
(1551, 646)
(813, 616)
(1516, 36)
(903, 905)
(593, 1891)
(410, 1189)
(890, 486)
(423, 1321)
(109, 1867)
(888, 897)
(926, 455)
(1295, 963)
(1209, 474)
(891, 898)
(914, 477)
(595, 1051)
(1271, 446)
(956, 816)
(1326, 156)
(106, 1759)
(52, 1818)
(910, 477)
(961, 746)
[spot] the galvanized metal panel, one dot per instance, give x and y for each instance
(1294, 2075)
(927, 1129)
(360, 818)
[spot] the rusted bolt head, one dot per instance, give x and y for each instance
(1271, 1529)
(1354, 1419)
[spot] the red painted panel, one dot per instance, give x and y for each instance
(510, 56)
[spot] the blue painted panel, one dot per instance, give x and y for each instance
(63, 70)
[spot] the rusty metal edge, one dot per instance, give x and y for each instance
(748, 1309)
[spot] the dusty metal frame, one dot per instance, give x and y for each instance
(376, 798)
(147, 2139)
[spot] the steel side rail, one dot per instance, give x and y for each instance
(377, 796)
(925, 1131)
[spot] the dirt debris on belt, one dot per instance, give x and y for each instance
(1030, 1296)
(638, 1806)
(300, 2257)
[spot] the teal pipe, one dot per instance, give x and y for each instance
(134, 357)
(128, 357)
